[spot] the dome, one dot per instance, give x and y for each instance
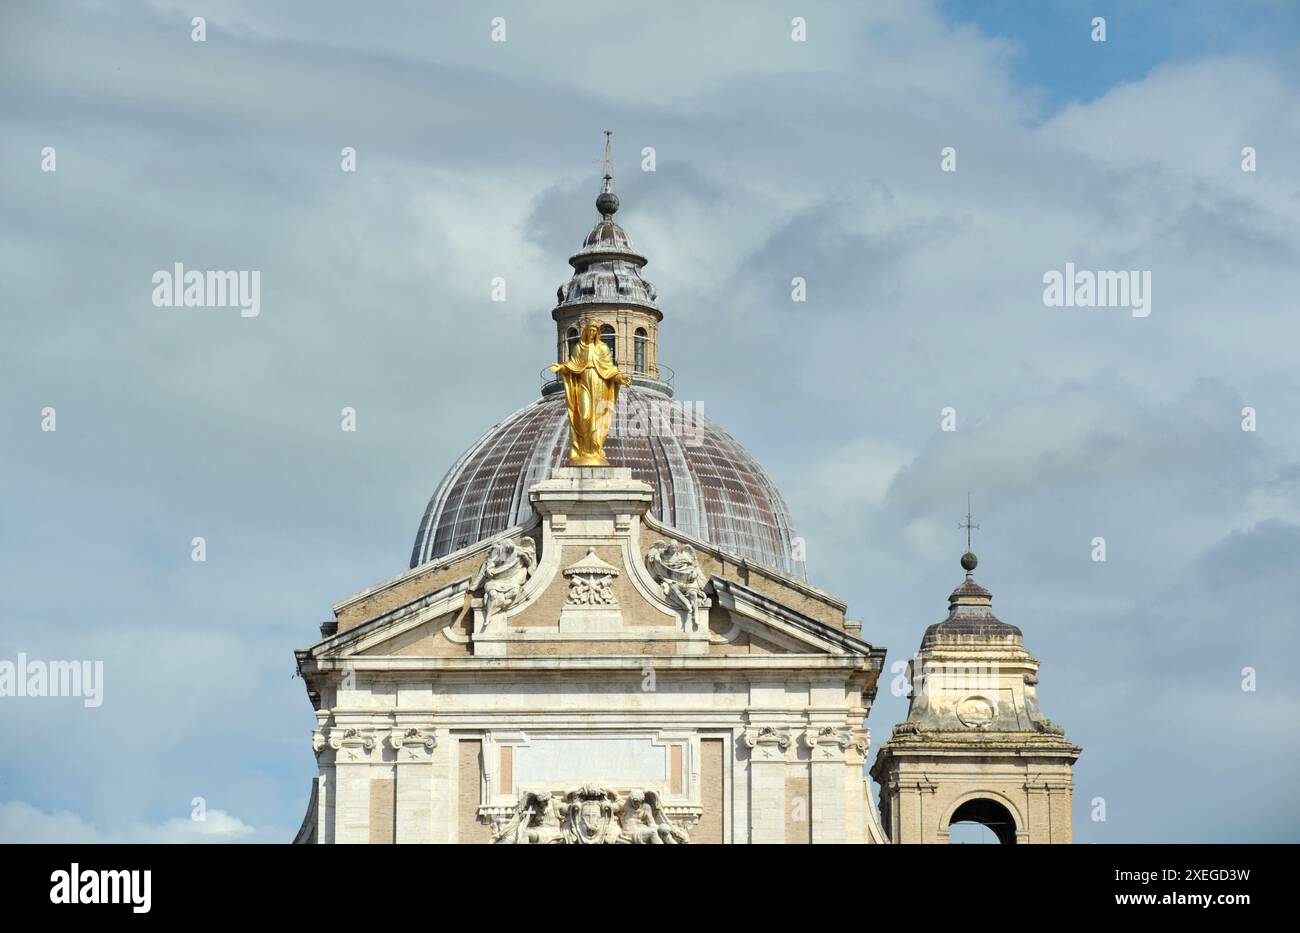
(705, 483)
(970, 612)
(607, 237)
(607, 269)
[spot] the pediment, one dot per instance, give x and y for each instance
(740, 621)
(776, 628)
(593, 578)
(438, 617)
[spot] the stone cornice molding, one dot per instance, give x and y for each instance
(818, 636)
(795, 664)
(388, 625)
(468, 551)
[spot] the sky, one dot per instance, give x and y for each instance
(774, 159)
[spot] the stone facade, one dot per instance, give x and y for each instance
(592, 667)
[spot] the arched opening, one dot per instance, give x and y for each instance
(639, 340)
(570, 341)
(981, 821)
(607, 335)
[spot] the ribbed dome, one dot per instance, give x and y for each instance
(705, 483)
(607, 236)
(607, 269)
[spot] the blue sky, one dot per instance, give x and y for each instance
(1056, 54)
(775, 159)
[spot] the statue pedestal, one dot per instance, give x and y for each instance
(578, 502)
(592, 593)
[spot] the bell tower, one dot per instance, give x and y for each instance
(975, 747)
(607, 284)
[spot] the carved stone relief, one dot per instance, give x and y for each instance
(591, 815)
(677, 571)
(591, 583)
(505, 570)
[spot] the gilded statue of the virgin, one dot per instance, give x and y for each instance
(591, 384)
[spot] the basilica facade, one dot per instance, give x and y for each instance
(630, 651)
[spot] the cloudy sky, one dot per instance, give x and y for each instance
(775, 159)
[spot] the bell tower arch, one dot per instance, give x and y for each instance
(975, 747)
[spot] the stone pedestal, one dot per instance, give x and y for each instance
(591, 521)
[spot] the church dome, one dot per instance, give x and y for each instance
(705, 483)
(607, 237)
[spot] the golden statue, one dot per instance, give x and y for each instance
(591, 383)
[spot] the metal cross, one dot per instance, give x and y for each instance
(608, 161)
(967, 524)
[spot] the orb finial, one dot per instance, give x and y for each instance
(607, 200)
(968, 560)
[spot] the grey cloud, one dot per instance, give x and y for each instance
(924, 292)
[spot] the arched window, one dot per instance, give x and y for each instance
(981, 821)
(638, 346)
(607, 335)
(571, 341)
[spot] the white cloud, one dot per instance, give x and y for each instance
(22, 822)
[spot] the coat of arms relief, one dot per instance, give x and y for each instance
(591, 583)
(591, 815)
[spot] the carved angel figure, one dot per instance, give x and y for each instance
(505, 570)
(644, 822)
(677, 570)
(536, 822)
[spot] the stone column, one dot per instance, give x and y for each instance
(1037, 813)
(414, 745)
(1060, 806)
(325, 784)
(916, 810)
(740, 803)
(827, 747)
(768, 746)
(353, 751)
(443, 804)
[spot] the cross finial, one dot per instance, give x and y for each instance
(968, 525)
(608, 161)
